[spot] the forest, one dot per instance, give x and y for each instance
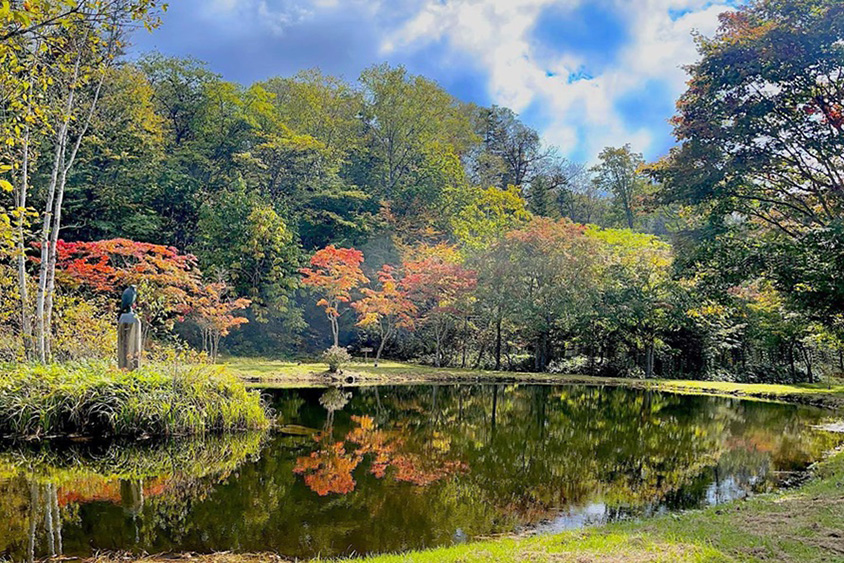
(373, 316)
(300, 212)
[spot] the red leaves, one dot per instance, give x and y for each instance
(329, 469)
(170, 283)
(215, 312)
(389, 304)
(334, 272)
(111, 265)
(437, 282)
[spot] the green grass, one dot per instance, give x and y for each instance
(279, 373)
(97, 399)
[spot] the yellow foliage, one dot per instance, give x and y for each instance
(83, 329)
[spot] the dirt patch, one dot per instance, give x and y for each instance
(223, 557)
(631, 552)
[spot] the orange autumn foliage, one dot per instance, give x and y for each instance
(334, 273)
(168, 281)
(329, 469)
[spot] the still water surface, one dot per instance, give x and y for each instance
(395, 468)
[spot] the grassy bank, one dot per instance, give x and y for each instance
(799, 525)
(276, 373)
(97, 399)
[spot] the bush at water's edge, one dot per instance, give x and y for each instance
(97, 399)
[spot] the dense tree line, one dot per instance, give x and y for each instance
(484, 246)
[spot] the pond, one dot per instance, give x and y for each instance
(371, 470)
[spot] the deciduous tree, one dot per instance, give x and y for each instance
(334, 273)
(386, 309)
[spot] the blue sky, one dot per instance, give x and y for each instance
(584, 73)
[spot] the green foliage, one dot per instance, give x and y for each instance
(488, 215)
(619, 173)
(336, 357)
(760, 155)
(95, 398)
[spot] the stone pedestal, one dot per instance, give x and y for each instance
(129, 346)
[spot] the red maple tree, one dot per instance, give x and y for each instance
(334, 273)
(214, 313)
(168, 281)
(440, 286)
(387, 309)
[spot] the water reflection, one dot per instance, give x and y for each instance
(63, 479)
(396, 468)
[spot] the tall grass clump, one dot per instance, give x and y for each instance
(97, 399)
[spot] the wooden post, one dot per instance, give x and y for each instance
(129, 346)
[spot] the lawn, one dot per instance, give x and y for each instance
(280, 373)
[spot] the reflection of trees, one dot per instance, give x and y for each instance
(329, 468)
(549, 451)
(536, 450)
(333, 400)
(61, 480)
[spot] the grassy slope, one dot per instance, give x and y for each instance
(287, 374)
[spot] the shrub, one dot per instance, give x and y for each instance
(96, 399)
(83, 329)
(336, 357)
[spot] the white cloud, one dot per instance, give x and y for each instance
(583, 112)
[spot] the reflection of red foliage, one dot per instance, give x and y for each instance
(96, 488)
(329, 469)
(758, 442)
(87, 491)
(410, 469)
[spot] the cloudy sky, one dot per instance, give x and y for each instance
(584, 73)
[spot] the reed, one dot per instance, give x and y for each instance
(97, 399)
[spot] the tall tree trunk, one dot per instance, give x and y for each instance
(67, 164)
(628, 211)
(807, 359)
(465, 341)
(23, 288)
(335, 329)
(498, 339)
(43, 269)
(381, 344)
(480, 355)
(649, 362)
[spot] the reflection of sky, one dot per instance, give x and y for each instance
(586, 73)
(727, 488)
(590, 515)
